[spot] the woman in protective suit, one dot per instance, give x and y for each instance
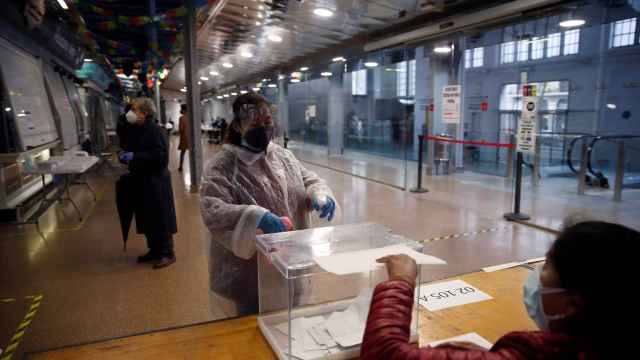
(254, 186)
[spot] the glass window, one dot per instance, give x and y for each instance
(478, 57)
(401, 78)
(507, 52)
(467, 58)
(571, 42)
(553, 45)
(523, 50)
(537, 48)
(623, 33)
(359, 82)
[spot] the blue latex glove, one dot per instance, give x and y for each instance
(125, 157)
(327, 209)
(270, 224)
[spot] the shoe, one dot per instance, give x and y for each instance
(148, 257)
(164, 261)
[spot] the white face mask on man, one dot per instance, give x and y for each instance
(132, 118)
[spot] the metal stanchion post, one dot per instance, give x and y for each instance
(535, 180)
(516, 215)
(419, 188)
(509, 174)
(582, 174)
(617, 190)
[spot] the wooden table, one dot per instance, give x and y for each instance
(241, 339)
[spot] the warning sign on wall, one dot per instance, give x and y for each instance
(451, 104)
(528, 126)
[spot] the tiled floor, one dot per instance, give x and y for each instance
(93, 290)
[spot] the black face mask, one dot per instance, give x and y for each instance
(256, 140)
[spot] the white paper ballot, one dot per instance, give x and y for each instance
(449, 294)
(347, 327)
(470, 337)
(365, 260)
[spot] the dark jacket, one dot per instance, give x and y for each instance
(387, 335)
(154, 208)
(122, 128)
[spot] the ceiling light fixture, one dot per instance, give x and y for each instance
(294, 80)
(88, 60)
(272, 85)
(326, 74)
(199, 82)
(304, 68)
(260, 7)
(571, 23)
(246, 54)
(234, 94)
(256, 89)
(258, 23)
(63, 4)
(260, 16)
(371, 64)
(442, 50)
(219, 97)
(338, 59)
(214, 73)
(227, 65)
(204, 78)
(323, 12)
(7, 109)
(612, 106)
(281, 77)
(226, 95)
(275, 38)
(243, 92)
(183, 90)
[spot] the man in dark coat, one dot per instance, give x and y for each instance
(147, 156)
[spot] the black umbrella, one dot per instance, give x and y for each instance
(125, 204)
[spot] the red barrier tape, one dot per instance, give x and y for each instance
(480, 143)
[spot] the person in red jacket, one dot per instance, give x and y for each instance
(578, 299)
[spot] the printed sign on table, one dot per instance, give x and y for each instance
(449, 294)
(451, 104)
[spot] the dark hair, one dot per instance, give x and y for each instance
(596, 260)
(183, 108)
(233, 135)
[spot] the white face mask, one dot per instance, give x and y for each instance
(132, 118)
(533, 291)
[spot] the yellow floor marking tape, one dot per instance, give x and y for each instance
(20, 331)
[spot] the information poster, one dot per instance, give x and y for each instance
(451, 104)
(528, 126)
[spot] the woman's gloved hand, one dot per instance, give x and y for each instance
(326, 206)
(126, 157)
(270, 224)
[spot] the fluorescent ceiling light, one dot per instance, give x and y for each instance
(214, 73)
(572, 23)
(234, 94)
(227, 65)
(296, 74)
(442, 50)
(88, 60)
(183, 90)
(304, 68)
(7, 109)
(204, 78)
(219, 97)
(371, 64)
(275, 38)
(199, 82)
(295, 80)
(246, 54)
(326, 73)
(226, 95)
(258, 23)
(280, 77)
(256, 89)
(260, 16)
(612, 106)
(243, 92)
(272, 85)
(63, 4)
(323, 12)
(261, 7)
(338, 59)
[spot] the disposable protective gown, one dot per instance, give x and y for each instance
(238, 188)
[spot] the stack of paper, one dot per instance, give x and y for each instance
(317, 336)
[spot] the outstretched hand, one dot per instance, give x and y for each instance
(401, 267)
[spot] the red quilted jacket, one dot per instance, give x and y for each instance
(387, 335)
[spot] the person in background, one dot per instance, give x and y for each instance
(122, 127)
(254, 186)
(576, 300)
(147, 156)
(184, 144)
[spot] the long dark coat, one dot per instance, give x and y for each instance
(151, 182)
